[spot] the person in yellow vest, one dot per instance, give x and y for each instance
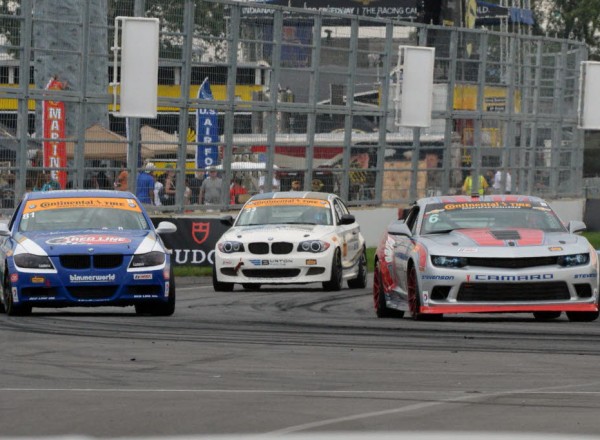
(467, 187)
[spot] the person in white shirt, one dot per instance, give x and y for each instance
(276, 186)
(497, 185)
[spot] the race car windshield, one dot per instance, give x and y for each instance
(79, 219)
(302, 214)
(442, 218)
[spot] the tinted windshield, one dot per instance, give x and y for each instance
(82, 214)
(285, 211)
(441, 217)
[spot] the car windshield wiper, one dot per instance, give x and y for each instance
(441, 231)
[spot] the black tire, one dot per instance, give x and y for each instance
(546, 316)
(582, 316)
(217, 285)
(335, 281)
(360, 282)
(10, 308)
(251, 286)
(381, 308)
(160, 308)
(414, 298)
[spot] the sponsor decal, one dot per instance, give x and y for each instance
(15, 295)
(200, 231)
(345, 249)
(42, 298)
(89, 239)
(166, 289)
(468, 250)
(142, 276)
(555, 249)
(311, 262)
(92, 278)
(83, 202)
(37, 280)
(585, 275)
(14, 277)
(53, 128)
(426, 296)
(287, 202)
(438, 277)
(272, 262)
(534, 277)
(484, 205)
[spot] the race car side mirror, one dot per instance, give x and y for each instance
(166, 228)
(399, 228)
(576, 226)
(347, 219)
(4, 231)
(227, 220)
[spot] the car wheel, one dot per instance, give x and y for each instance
(10, 307)
(360, 282)
(546, 316)
(381, 308)
(414, 298)
(217, 285)
(335, 282)
(582, 316)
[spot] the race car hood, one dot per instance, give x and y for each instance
(276, 232)
(515, 241)
(57, 243)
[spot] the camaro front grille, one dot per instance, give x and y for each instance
(513, 263)
(101, 261)
(276, 248)
(513, 292)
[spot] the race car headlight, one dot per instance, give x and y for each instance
(314, 246)
(574, 260)
(31, 261)
(229, 247)
(149, 259)
(441, 261)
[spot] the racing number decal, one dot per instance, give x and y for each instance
(345, 249)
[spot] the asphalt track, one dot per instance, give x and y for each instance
(292, 360)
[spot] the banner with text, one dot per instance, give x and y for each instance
(53, 127)
(207, 130)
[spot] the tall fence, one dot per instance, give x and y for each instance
(299, 97)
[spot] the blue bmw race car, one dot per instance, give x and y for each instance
(85, 248)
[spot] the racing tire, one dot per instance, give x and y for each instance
(10, 308)
(546, 316)
(381, 308)
(251, 286)
(582, 316)
(217, 285)
(414, 298)
(161, 308)
(335, 281)
(360, 282)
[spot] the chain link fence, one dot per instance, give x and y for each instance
(301, 98)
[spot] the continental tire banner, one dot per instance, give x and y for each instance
(393, 9)
(195, 239)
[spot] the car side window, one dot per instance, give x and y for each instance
(14, 217)
(411, 219)
(340, 210)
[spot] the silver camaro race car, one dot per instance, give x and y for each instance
(500, 253)
(291, 237)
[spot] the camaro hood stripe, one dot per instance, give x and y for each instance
(485, 237)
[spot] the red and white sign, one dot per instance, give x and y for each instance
(53, 125)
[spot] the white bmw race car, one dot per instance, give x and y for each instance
(486, 254)
(291, 238)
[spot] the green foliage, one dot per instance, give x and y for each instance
(593, 238)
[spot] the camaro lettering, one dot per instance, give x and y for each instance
(543, 276)
(92, 278)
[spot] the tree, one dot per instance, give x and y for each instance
(568, 19)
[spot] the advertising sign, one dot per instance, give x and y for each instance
(53, 127)
(207, 130)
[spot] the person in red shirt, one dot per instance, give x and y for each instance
(236, 190)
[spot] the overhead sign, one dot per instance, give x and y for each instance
(391, 9)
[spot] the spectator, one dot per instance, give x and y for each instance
(296, 185)
(159, 189)
(121, 181)
(145, 185)
(236, 190)
(467, 187)
(497, 185)
(169, 190)
(317, 185)
(275, 185)
(210, 191)
(102, 179)
(49, 183)
(194, 184)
